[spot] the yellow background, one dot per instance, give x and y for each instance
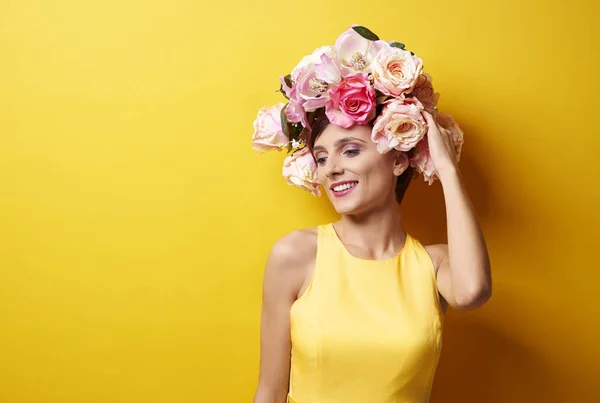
(135, 219)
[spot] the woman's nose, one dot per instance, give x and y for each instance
(333, 168)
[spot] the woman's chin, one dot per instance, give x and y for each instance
(351, 203)
(346, 206)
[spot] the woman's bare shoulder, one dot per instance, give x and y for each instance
(288, 265)
(297, 248)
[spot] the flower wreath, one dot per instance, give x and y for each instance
(353, 82)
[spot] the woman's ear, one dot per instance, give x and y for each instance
(401, 162)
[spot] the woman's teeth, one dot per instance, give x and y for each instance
(344, 186)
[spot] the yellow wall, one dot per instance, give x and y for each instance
(135, 219)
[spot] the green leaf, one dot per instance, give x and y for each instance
(285, 125)
(365, 33)
(397, 45)
(283, 92)
(288, 80)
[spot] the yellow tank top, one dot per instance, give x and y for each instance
(366, 331)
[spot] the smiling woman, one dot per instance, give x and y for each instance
(322, 122)
(353, 311)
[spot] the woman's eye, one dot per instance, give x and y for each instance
(320, 161)
(351, 153)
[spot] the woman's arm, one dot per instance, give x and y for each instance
(464, 273)
(283, 277)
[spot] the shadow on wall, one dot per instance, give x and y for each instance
(423, 208)
(481, 365)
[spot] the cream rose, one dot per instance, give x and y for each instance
(300, 169)
(396, 71)
(268, 134)
(400, 125)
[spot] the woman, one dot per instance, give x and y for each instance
(353, 310)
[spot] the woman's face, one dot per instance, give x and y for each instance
(355, 176)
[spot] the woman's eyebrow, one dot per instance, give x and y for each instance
(347, 140)
(340, 142)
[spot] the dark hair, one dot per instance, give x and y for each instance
(319, 125)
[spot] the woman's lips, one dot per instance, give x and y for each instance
(345, 191)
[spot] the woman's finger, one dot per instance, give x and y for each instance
(431, 121)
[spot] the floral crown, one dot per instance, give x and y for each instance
(357, 80)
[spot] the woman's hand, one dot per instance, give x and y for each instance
(463, 275)
(441, 148)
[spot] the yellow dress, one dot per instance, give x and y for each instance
(366, 331)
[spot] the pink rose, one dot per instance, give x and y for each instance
(421, 161)
(268, 134)
(400, 125)
(351, 102)
(456, 134)
(396, 71)
(314, 82)
(300, 169)
(356, 53)
(424, 92)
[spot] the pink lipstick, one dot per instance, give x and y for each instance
(342, 188)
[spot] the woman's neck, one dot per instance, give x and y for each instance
(379, 233)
